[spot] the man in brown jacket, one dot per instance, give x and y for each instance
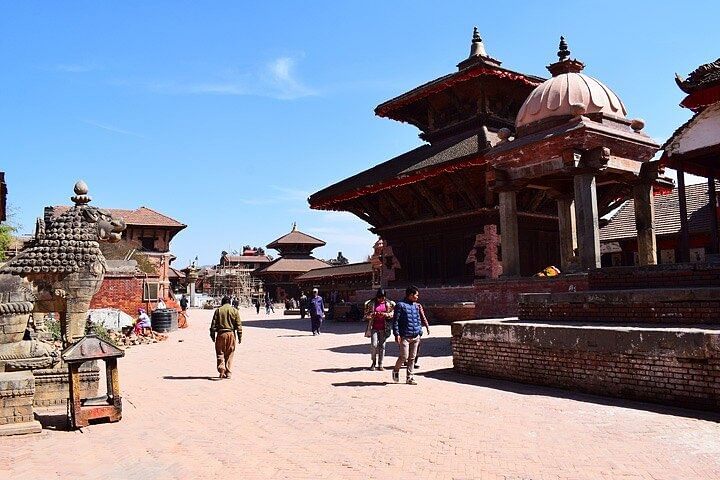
(223, 328)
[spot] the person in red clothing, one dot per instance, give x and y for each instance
(378, 313)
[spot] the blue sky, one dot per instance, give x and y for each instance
(227, 115)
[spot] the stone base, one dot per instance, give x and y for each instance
(675, 306)
(673, 366)
(20, 428)
(52, 387)
(16, 403)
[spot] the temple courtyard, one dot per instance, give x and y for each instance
(301, 406)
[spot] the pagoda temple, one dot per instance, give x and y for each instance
(295, 249)
(431, 205)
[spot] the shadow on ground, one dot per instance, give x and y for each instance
(189, 377)
(450, 375)
(429, 347)
(358, 383)
(303, 325)
(55, 421)
(340, 370)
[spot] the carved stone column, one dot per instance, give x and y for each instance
(645, 223)
(509, 234)
(568, 233)
(586, 214)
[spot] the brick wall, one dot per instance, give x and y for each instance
(125, 292)
(498, 298)
(676, 367)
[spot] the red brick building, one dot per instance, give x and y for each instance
(126, 287)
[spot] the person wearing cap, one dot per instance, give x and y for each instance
(378, 314)
(316, 309)
(143, 321)
(223, 328)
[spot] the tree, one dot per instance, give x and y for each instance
(6, 238)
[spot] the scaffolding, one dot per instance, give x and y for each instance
(236, 282)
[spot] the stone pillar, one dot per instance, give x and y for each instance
(192, 277)
(568, 233)
(586, 214)
(645, 223)
(509, 234)
(684, 240)
(712, 201)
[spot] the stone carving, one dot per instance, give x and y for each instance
(65, 263)
(16, 353)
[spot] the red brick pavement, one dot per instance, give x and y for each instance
(303, 407)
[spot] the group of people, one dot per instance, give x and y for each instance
(405, 321)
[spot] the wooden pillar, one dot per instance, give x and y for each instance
(568, 232)
(586, 214)
(684, 241)
(645, 223)
(509, 234)
(712, 200)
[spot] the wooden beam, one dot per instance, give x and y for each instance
(456, 216)
(372, 209)
(465, 190)
(431, 198)
(395, 204)
(536, 200)
(475, 197)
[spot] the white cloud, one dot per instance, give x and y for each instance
(110, 128)
(276, 79)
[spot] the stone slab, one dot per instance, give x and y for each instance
(20, 428)
(621, 339)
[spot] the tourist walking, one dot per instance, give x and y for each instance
(407, 328)
(316, 309)
(224, 327)
(183, 303)
(303, 304)
(268, 305)
(378, 313)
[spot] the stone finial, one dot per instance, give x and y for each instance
(81, 197)
(294, 226)
(476, 47)
(565, 64)
(563, 53)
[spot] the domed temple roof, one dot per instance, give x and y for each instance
(568, 92)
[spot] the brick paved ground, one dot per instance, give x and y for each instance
(304, 407)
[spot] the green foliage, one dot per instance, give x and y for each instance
(53, 326)
(6, 239)
(143, 263)
(101, 331)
